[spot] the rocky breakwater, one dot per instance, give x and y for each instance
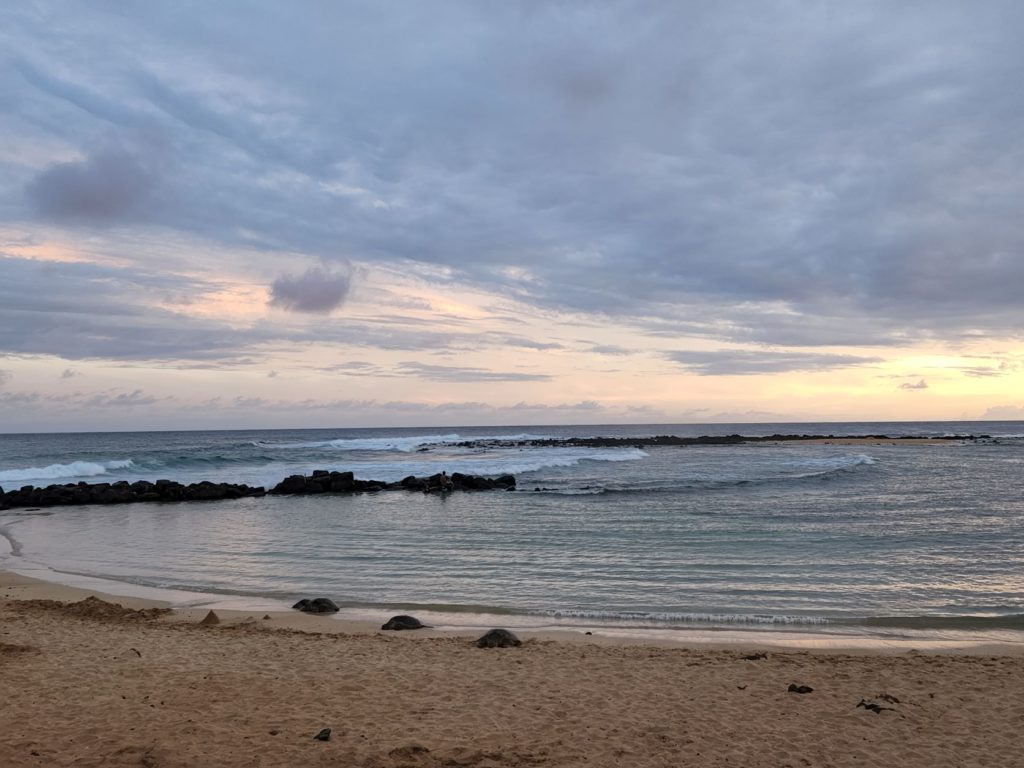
(322, 481)
(123, 492)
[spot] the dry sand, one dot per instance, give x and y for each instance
(92, 684)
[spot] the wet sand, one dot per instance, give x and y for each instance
(92, 684)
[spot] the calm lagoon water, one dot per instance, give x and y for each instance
(877, 540)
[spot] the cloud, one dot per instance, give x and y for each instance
(122, 399)
(316, 290)
(864, 198)
(610, 349)
(1004, 413)
(735, 362)
(921, 384)
(5, 376)
(106, 186)
(463, 375)
(69, 374)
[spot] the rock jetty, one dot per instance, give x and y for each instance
(123, 492)
(320, 482)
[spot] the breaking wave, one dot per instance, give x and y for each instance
(397, 444)
(64, 471)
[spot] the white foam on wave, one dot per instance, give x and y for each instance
(400, 444)
(64, 471)
(492, 464)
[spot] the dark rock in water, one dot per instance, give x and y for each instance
(316, 605)
(291, 484)
(403, 622)
(498, 638)
(324, 735)
(794, 688)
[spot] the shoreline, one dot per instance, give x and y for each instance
(191, 607)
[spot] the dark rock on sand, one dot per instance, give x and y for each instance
(211, 619)
(794, 688)
(756, 656)
(874, 706)
(403, 622)
(498, 638)
(316, 605)
(324, 735)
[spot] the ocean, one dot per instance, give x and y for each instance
(911, 541)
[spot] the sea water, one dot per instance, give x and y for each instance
(793, 536)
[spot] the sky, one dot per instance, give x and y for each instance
(339, 214)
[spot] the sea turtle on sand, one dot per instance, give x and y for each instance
(403, 622)
(316, 605)
(498, 638)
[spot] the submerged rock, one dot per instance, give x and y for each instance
(498, 638)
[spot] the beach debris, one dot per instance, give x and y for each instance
(136, 651)
(741, 687)
(403, 622)
(498, 638)
(316, 605)
(874, 706)
(210, 619)
(756, 656)
(794, 688)
(323, 735)
(266, 617)
(887, 697)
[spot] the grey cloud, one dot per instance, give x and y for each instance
(69, 374)
(610, 349)
(105, 187)
(1004, 368)
(734, 362)
(122, 399)
(315, 290)
(851, 174)
(5, 376)
(921, 384)
(456, 374)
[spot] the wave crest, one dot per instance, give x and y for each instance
(64, 471)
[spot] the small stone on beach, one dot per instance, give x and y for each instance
(794, 688)
(324, 735)
(210, 619)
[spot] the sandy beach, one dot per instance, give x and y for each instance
(94, 684)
